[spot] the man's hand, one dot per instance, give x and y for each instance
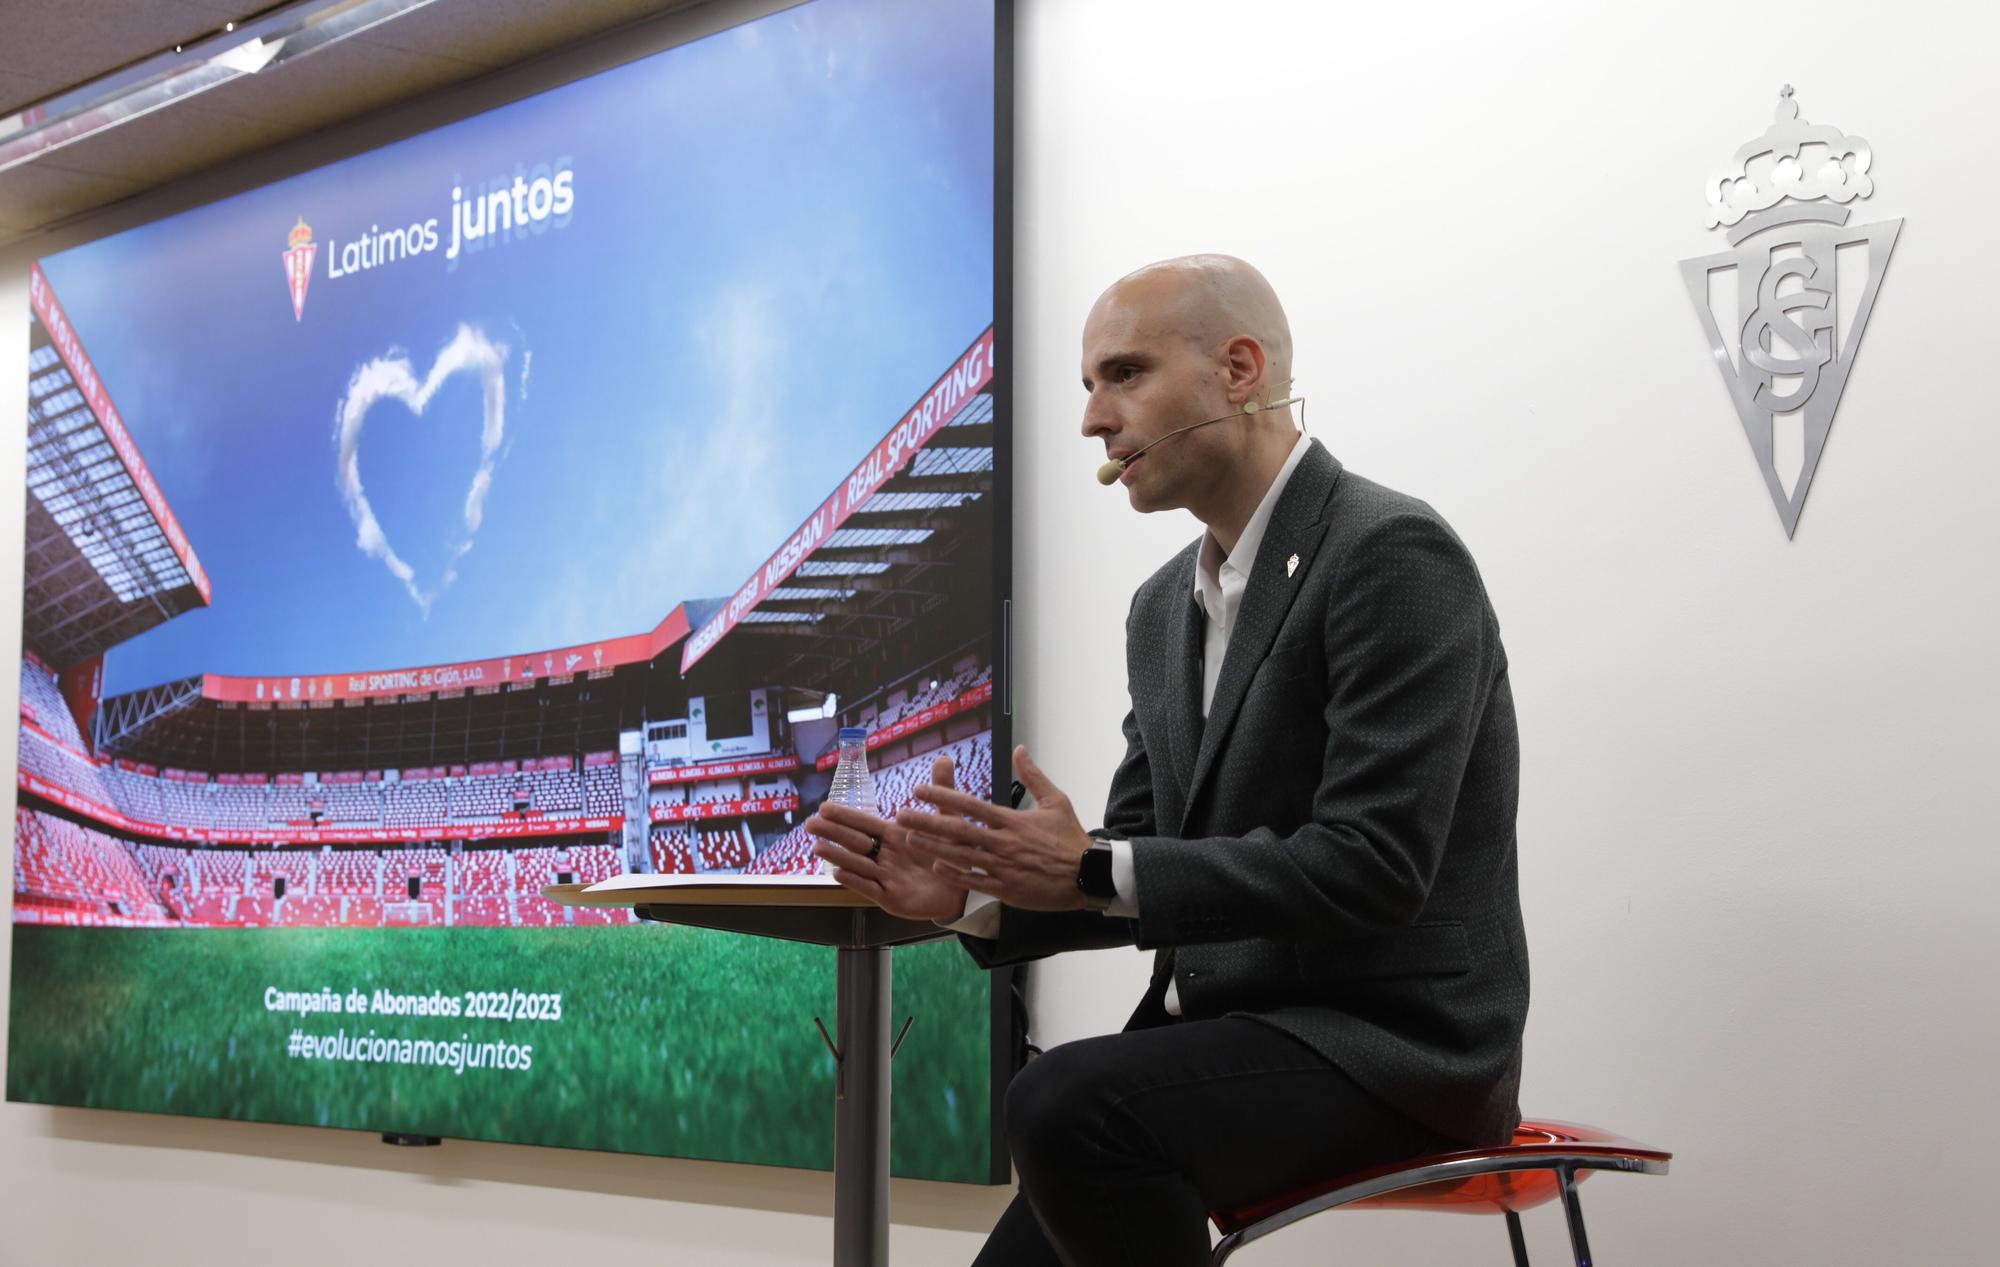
(1029, 857)
(897, 879)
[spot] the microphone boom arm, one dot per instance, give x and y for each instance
(1108, 473)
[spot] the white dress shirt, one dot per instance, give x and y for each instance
(1219, 583)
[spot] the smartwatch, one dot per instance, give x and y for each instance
(1093, 877)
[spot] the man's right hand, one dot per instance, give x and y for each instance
(898, 879)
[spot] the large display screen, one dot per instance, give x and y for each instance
(525, 502)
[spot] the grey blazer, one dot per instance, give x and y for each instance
(1332, 852)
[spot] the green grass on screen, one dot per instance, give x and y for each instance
(673, 1041)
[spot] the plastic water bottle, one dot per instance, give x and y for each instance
(853, 785)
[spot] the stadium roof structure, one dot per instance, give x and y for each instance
(560, 700)
(175, 725)
(106, 560)
(892, 559)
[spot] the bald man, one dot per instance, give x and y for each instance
(1312, 826)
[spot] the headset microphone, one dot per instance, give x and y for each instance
(1108, 473)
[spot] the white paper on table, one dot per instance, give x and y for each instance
(709, 880)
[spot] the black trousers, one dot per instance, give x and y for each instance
(1125, 1142)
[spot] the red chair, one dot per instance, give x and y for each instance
(1546, 1160)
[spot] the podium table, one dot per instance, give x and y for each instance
(862, 934)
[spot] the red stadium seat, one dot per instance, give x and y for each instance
(489, 911)
(350, 872)
(41, 698)
(602, 793)
(361, 912)
(790, 854)
(673, 851)
(430, 868)
(83, 872)
(895, 788)
(602, 915)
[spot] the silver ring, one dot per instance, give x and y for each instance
(874, 848)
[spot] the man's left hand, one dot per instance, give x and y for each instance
(1028, 857)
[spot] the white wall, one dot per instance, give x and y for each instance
(1753, 860)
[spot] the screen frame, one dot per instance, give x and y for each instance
(557, 68)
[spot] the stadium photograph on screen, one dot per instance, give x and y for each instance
(526, 502)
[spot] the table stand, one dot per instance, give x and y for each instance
(863, 936)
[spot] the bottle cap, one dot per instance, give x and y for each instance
(853, 734)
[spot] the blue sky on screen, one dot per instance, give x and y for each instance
(779, 237)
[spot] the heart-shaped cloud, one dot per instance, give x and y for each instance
(392, 377)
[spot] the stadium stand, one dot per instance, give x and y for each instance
(791, 854)
(72, 874)
(135, 794)
(38, 871)
(601, 792)
(66, 873)
(350, 873)
(253, 910)
(287, 803)
(103, 867)
(213, 908)
(721, 790)
(917, 698)
(723, 850)
(415, 804)
(361, 912)
(673, 850)
(429, 866)
(62, 765)
(483, 874)
(483, 797)
(161, 863)
(224, 870)
(157, 883)
(41, 699)
(352, 802)
(187, 804)
(972, 757)
(306, 911)
(430, 869)
(238, 807)
(556, 791)
(489, 910)
(201, 804)
(267, 867)
(895, 788)
(537, 911)
(590, 864)
(602, 915)
(534, 868)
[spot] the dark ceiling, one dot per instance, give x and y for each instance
(50, 46)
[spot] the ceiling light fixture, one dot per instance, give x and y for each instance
(279, 36)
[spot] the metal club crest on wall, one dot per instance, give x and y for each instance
(1778, 335)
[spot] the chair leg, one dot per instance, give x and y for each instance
(1222, 1250)
(1515, 1239)
(1573, 1210)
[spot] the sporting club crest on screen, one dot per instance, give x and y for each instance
(299, 252)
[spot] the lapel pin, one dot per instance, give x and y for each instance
(1291, 565)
